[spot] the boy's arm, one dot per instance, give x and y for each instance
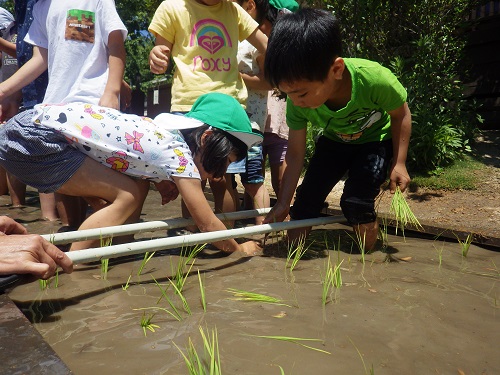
(295, 154)
(26, 74)
(401, 131)
(116, 62)
(159, 56)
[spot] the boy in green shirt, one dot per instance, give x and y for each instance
(362, 109)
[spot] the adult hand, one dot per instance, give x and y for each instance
(9, 226)
(31, 254)
(168, 191)
(158, 59)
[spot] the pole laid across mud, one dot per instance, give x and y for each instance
(98, 253)
(121, 230)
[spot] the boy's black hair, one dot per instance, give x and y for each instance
(218, 147)
(262, 9)
(302, 46)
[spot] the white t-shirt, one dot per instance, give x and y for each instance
(75, 33)
(257, 99)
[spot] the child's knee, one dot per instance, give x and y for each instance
(358, 211)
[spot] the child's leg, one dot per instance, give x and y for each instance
(48, 206)
(17, 191)
(253, 181)
(4, 188)
(327, 166)
(123, 194)
(277, 148)
(368, 170)
(72, 210)
(225, 197)
(259, 196)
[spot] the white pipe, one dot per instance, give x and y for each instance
(98, 253)
(120, 230)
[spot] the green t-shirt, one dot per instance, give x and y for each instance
(375, 91)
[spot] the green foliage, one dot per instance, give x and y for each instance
(137, 15)
(422, 43)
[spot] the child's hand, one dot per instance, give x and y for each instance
(168, 191)
(110, 101)
(278, 213)
(251, 248)
(158, 59)
(399, 177)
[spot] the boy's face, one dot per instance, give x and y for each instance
(313, 94)
(307, 94)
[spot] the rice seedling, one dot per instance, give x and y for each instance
(241, 295)
(372, 371)
(360, 241)
(384, 237)
(176, 313)
(44, 284)
(104, 268)
(440, 254)
(332, 279)
(295, 253)
(402, 212)
(186, 256)
(146, 323)
(127, 285)
(209, 363)
(202, 292)
(56, 279)
(294, 340)
(182, 298)
(465, 244)
(104, 242)
(147, 258)
(160, 308)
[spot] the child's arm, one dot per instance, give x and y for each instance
(295, 154)
(259, 40)
(8, 47)
(401, 131)
(205, 219)
(257, 82)
(26, 74)
(116, 62)
(159, 56)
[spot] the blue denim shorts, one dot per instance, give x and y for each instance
(254, 166)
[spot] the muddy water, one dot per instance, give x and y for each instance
(423, 309)
(407, 316)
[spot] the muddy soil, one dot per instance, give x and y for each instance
(420, 307)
